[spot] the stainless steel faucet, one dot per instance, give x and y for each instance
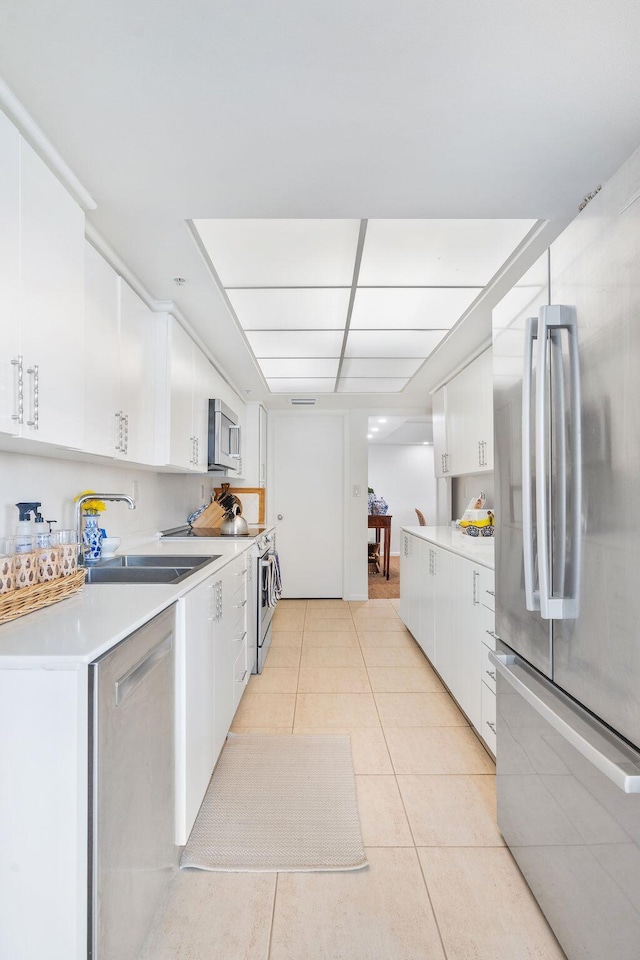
(95, 496)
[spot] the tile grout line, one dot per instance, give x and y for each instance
(295, 703)
(433, 909)
(273, 916)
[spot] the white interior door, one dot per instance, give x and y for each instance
(307, 502)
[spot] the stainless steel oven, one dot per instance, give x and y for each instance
(269, 591)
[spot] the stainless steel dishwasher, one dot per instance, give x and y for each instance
(131, 788)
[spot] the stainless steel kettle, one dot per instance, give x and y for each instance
(234, 526)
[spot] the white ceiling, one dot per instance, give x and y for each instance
(171, 111)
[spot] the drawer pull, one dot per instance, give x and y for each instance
(492, 634)
(241, 680)
(490, 673)
(491, 726)
(491, 593)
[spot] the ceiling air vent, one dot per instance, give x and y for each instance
(303, 401)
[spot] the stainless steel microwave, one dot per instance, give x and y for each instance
(224, 438)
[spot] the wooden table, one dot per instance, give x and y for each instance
(382, 522)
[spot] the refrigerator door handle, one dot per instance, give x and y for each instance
(610, 761)
(531, 595)
(553, 607)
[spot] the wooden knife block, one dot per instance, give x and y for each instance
(210, 517)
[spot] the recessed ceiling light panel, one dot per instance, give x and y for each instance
(281, 253)
(302, 385)
(438, 252)
(286, 309)
(295, 367)
(416, 344)
(379, 367)
(295, 343)
(372, 385)
(410, 309)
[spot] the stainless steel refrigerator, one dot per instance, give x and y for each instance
(566, 344)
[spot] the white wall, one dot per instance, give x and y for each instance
(404, 476)
(164, 500)
(356, 566)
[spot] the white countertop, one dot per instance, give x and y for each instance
(479, 549)
(86, 625)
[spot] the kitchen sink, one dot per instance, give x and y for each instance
(140, 568)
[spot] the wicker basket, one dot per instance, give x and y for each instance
(17, 603)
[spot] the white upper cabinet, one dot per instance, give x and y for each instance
(120, 366)
(463, 421)
(140, 330)
(181, 386)
(42, 270)
(203, 384)
(254, 445)
(101, 356)
(9, 274)
(191, 382)
(440, 449)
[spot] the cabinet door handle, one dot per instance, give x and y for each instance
(491, 673)
(34, 371)
(242, 678)
(491, 725)
(216, 601)
(240, 639)
(19, 414)
(118, 417)
(492, 634)
(243, 604)
(491, 593)
(476, 577)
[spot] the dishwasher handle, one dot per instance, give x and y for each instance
(578, 732)
(134, 677)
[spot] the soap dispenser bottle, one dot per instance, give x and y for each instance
(43, 537)
(24, 533)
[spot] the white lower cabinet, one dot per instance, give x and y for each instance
(445, 641)
(454, 623)
(195, 678)
(410, 577)
(427, 599)
(488, 729)
(211, 677)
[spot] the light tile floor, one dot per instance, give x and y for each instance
(440, 884)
